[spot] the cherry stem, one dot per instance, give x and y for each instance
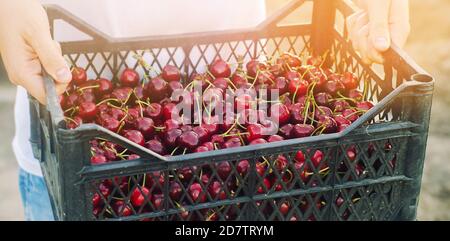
(70, 119)
(88, 87)
(107, 100)
(174, 150)
(144, 64)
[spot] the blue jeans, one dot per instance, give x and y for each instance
(35, 199)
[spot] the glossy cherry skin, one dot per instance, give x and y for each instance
(280, 113)
(122, 209)
(297, 87)
(98, 159)
(157, 89)
(122, 94)
(111, 124)
(135, 136)
(175, 191)
(104, 87)
(216, 190)
(303, 130)
(146, 126)
(87, 111)
(139, 195)
(364, 105)
(129, 78)
(255, 131)
(328, 124)
(220, 68)
(189, 140)
(350, 115)
(232, 142)
(171, 73)
(286, 131)
(79, 76)
(350, 81)
(274, 138)
(156, 146)
(196, 193)
(171, 137)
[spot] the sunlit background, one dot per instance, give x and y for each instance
(429, 45)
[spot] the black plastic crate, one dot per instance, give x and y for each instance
(381, 183)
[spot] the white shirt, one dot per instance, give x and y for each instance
(131, 18)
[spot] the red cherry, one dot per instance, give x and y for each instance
(365, 105)
(146, 126)
(104, 87)
(287, 131)
(317, 158)
(267, 184)
(87, 111)
(322, 99)
(350, 115)
(302, 130)
(220, 83)
(175, 191)
(111, 124)
(170, 111)
(341, 120)
(76, 122)
(322, 111)
(274, 138)
(171, 73)
(350, 81)
(242, 167)
(238, 80)
(79, 76)
(284, 208)
(255, 131)
(340, 105)
(189, 140)
(258, 141)
(196, 193)
(122, 94)
(298, 87)
(299, 157)
(328, 124)
(98, 159)
(253, 67)
(156, 146)
(135, 136)
(171, 137)
(122, 209)
(292, 76)
(202, 133)
(223, 170)
(232, 142)
(139, 195)
(216, 191)
(355, 95)
(279, 113)
(157, 89)
(220, 68)
(129, 78)
(154, 111)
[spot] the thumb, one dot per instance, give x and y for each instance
(49, 54)
(379, 32)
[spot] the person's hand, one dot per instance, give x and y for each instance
(376, 25)
(26, 43)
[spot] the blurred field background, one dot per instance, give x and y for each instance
(429, 45)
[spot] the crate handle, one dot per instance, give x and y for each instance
(280, 14)
(56, 12)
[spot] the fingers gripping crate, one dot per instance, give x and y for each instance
(379, 181)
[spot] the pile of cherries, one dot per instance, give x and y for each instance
(312, 100)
